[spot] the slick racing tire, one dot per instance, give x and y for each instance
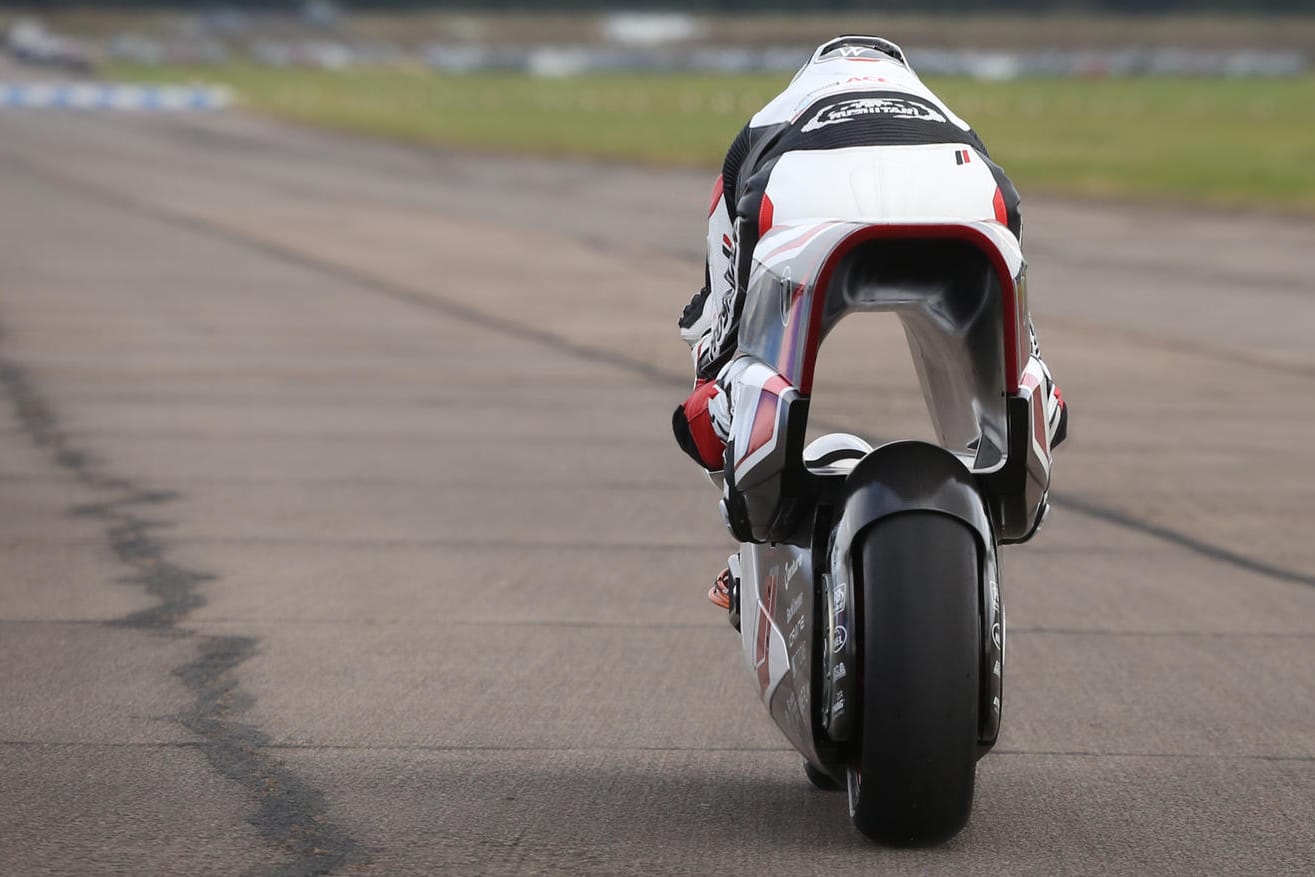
(911, 784)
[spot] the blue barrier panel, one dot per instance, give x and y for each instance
(109, 96)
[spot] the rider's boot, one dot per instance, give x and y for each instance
(720, 592)
(725, 591)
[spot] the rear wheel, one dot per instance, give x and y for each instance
(917, 583)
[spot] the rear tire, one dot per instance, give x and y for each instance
(917, 582)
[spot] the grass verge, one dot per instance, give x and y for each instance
(1237, 143)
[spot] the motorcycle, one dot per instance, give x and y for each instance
(867, 587)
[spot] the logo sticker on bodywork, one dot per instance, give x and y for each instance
(856, 53)
(839, 638)
(845, 111)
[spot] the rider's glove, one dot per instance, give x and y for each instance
(696, 321)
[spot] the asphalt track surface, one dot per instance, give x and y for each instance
(341, 529)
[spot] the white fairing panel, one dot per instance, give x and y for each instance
(757, 438)
(930, 183)
(819, 78)
(964, 335)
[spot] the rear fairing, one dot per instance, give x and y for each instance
(968, 337)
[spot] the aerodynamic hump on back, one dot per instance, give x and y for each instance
(849, 64)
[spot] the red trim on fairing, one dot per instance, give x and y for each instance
(766, 215)
(762, 640)
(967, 156)
(1012, 319)
(764, 422)
(1001, 212)
(718, 191)
(764, 417)
(1040, 432)
(798, 242)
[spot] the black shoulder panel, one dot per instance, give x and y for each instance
(873, 118)
(730, 168)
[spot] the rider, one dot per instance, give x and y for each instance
(857, 93)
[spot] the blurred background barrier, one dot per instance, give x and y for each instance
(103, 96)
(568, 38)
(1115, 100)
(1208, 106)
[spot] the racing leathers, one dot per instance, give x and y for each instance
(855, 106)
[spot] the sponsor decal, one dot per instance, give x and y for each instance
(799, 662)
(795, 632)
(791, 568)
(962, 157)
(838, 672)
(726, 313)
(845, 111)
(795, 605)
(787, 295)
(997, 632)
(838, 639)
(855, 53)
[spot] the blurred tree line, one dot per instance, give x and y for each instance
(1151, 7)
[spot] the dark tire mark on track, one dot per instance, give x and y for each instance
(290, 814)
(472, 316)
(1197, 546)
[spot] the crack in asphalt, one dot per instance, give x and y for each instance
(290, 813)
